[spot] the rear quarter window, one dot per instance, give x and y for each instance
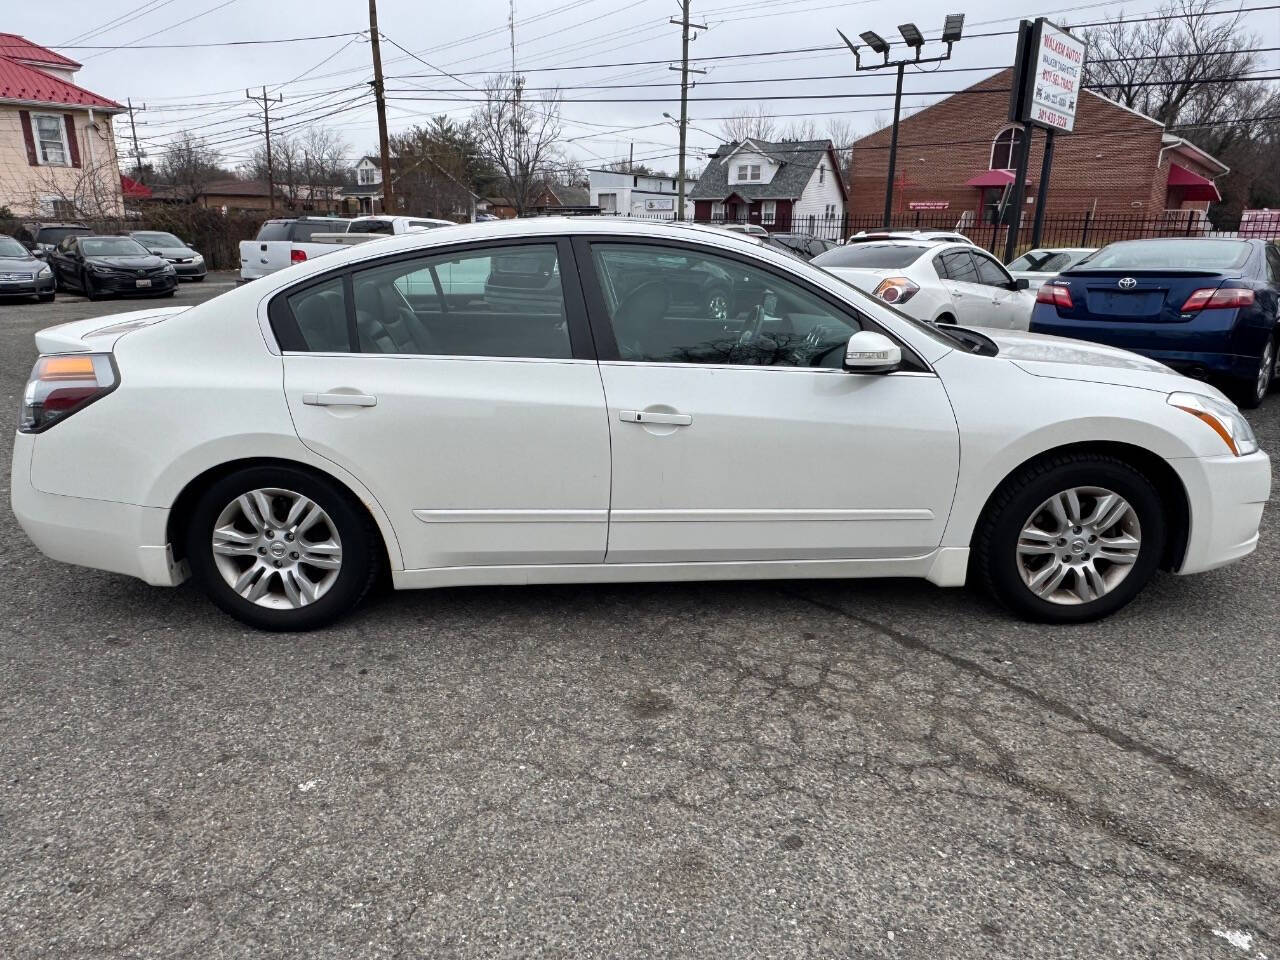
(304, 230)
(273, 230)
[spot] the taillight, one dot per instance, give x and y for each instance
(1057, 296)
(1218, 298)
(895, 290)
(297, 256)
(63, 383)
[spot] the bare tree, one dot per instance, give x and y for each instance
(801, 130)
(842, 133)
(753, 124)
(323, 165)
(518, 136)
(189, 166)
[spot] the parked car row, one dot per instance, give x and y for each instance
(286, 241)
(792, 426)
(48, 257)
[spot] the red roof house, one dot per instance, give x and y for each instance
(57, 146)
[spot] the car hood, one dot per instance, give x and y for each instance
(1067, 359)
(148, 262)
(99, 334)
(20, 263)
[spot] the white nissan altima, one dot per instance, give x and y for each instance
(551, 401)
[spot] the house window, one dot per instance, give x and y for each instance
(822, 172)
(1004, 149)
(769, 211)
(748, 172)
(51, 138)
(367, 175)
(830, 211)
(717, 211)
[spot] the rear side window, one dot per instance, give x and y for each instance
(304, 230)
(1273, 264)
(872, 256)
(425, 223)
(321, 315)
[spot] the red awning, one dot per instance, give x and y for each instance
(133, 189)
(1192, 185)
(991, 178)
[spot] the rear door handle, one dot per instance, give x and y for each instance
(646, 416)
(339, 400)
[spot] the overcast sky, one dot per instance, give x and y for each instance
(202, 88)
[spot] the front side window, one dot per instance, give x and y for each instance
(51, 138)
(990, 273)
(492, 302)
(675, 305)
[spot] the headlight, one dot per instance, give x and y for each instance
(99, 268)
(1223, 418)
(168, 268)
(44, 272)
(197, 259)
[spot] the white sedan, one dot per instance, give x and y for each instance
(935, 282)
(613, 402)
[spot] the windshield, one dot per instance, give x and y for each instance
(871, 256)
(54, 235)
(113, 247)
(10, 247)
(1192, 253)
(157, 239)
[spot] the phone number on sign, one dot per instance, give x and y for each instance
(1053, 118)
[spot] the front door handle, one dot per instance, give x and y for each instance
(339, 400)
(648, 416)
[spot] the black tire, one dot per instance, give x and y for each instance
(361, 548)
(994, 562)
(169, 293)
(47, 297)
(197, 279)
(1249, 394)
(86, 284)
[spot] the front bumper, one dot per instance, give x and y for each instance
(189, 270)
(119, 537)
(1227, 495)
(128, 283)
(27, 288)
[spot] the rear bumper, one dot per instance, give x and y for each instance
(118, 537)
(1227, 496)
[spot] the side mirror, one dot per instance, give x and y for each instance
(871, 352)
(1022, 283)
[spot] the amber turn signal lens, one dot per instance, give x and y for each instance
(65, 367)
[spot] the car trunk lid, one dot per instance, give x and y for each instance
(1153, 296)
(99, 334)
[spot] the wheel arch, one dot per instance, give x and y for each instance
(1169, 486)
(184, 504)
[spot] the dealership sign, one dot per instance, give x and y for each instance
(661, 203)
(928, 204)
(1054, 72)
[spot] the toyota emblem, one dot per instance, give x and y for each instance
(143, 273)
(1127, 283)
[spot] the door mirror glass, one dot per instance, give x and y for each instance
(871, 352)
(1022, 283)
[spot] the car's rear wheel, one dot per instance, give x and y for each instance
(1251, 394)
(281, 548)
(1070, 539)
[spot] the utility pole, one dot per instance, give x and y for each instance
(952, 28)
(685, 27)
(511, 24)
(266, 102)
(137, 152)
(388, 199)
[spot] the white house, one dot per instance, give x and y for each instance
(790, 186)
(638, 194)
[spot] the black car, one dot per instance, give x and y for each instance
(188, 263)
(803, 245)
(22, 274)
(99, 266)
(41, 238)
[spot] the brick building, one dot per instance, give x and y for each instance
(960, 151)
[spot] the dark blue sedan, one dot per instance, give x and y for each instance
(1204, 306)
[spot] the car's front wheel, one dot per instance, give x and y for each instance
(1071, 538)
(281, 548)
(86, 284)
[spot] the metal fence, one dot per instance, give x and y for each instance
(1085, 229)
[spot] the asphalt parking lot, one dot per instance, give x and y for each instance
(863, 769)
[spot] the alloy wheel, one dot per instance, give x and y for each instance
(1266, 370)
(277, 548)
(1078, 545)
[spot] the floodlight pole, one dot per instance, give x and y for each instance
(880, 46)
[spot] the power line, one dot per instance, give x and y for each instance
(188, 46)
(156, 33)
